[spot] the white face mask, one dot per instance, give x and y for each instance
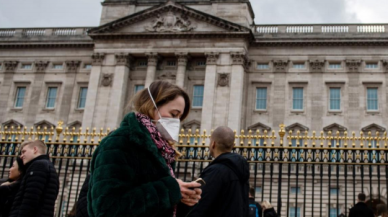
(168, 127)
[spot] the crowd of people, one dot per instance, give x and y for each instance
(132, 171)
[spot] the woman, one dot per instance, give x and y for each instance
(132, 170)
(9, 189)
(382, 210)
(268, 210)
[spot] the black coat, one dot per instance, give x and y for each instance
(257, 205)
(361, 210)
(270, 213)
(38, 189)
(226, 191)
(82, 203)
(7, 196)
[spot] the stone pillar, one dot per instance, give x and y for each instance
(91, 98)
(5, 87)
(151, 68)
(181, 71)
(236, 90)
(209, 91)
(118, 93)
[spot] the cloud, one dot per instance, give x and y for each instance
(302, 11)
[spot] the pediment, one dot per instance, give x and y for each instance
(168, 18)
(42, 124)
(297, 126)
(13, 123)
(334, 128)
(192, 123)
(373, 128)
(259, 126)
(74, 124)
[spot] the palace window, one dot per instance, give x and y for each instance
(295, 190)
(51, 97)
(58, 66)
(27, 66)
(335, 98)
(297, 98)
(372, 99)
(334, 212)
(294, 210)
(201, 63)
(261, 98)
(298, 66)
(82, 97)
(138, 88)
(198, 96)
(335, 65)
(88, 66)
(334, 191)
(371, 66)
(171, 63)
(20, 94)
(262, 66)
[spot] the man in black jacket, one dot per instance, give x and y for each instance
(361, 209)
(226, 190)
(40, 184)
(254, 207)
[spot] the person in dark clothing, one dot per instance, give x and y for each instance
(361, 209)
(9, 188)
(40, 184)
(254, 207)
(82, 203)
(226, 191)
(268, 210)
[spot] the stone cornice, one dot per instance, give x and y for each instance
(260, 42)
(211, 58)
(41, 65)
(168, 7)
(98, 58)
(123, 59)
(72, 65)
(172, 35)
(22, 45)
(10, 65)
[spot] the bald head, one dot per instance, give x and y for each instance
(223, 137)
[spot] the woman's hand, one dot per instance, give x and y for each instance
(190, 197)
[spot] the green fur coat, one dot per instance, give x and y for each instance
(129, 177)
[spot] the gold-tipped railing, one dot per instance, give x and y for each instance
(257, 146)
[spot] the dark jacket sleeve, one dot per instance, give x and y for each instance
(113, 190)
(37, 175)
(5, 190)
(213, 177)
(82, 203)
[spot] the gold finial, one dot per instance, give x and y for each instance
(282, 132)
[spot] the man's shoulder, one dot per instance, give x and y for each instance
(40, 164)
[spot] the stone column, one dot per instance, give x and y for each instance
(5, 87)
(118, 93)
(209, 91)
(236, 90)
(181, 71)
(151, 68)
(91, 97)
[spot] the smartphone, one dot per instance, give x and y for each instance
(200, 181)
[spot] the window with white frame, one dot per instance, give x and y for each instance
(262, 66)
(26, 66)
(138, 88)
(261, 98)
(335, 98)
(20, 94)
(258, 190)
(297, 98)
(334, 212)
(372, 99)
(293, 211)
(371, 65)
(58, 66)
(198, 96)
(51, 97)
(335, 65)
(298, 66)
(82, 97)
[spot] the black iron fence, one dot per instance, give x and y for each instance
(299, 173)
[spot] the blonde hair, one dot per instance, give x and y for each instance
(42, 147)
(266, 205)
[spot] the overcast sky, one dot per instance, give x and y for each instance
(60, 13)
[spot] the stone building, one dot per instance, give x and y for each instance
(309, 77)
